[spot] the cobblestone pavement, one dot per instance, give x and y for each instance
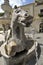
(32, 61)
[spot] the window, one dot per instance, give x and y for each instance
(41, 10)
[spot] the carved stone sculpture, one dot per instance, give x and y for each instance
(7, 8)
(17, 47)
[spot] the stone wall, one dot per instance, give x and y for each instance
(29, 8)
(37, 10)
(34, 10)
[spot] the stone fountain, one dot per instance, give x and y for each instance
(17, 48)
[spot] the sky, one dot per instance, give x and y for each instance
(16, 2)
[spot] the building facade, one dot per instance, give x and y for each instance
(34, 10)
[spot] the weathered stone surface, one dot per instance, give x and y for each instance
(18, 47)
(7, 8)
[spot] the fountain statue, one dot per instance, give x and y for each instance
(6, 18)
(7, 8)
(6, 1)
(18, 47)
